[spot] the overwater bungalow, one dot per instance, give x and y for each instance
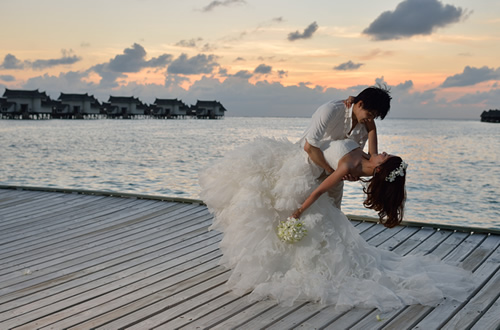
(7, 109)
(169, 108)
(78, 106)
(209, 109)
(125, 107)
(28, 104)
(491, 116)
(33, 104)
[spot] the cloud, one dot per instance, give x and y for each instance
(199, 64)
(208, 48)
(133, 60)
(282, 73)
(191, 43)
(376, 53)
(226, 3)
(10, 62)
(263, 69)
(471, 76)
(307, 34)
(172, 80)
(348, 66)
(268, 23)
(244, 98)
(66, 82)
(108, 78)
(243, 74)
(7, 78)
(404, 86)
(66, 59)
(414, 17)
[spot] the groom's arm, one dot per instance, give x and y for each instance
(317, 156)
(372, 137)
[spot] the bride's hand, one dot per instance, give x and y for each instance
(297, 213)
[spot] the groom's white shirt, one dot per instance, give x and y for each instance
(332, 121)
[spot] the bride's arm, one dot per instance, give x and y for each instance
(329, 182)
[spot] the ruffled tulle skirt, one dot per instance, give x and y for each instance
(256, 186)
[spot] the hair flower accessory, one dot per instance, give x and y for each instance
(292, 230)
(398, 171)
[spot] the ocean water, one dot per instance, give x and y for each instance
(453, 175)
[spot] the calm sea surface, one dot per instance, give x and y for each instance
(453, 176)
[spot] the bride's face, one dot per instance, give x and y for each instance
(379, 159)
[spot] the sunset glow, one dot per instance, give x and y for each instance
(216, 50)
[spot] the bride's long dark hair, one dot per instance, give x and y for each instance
(385, 197)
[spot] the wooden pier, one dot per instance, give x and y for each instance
(86, 259)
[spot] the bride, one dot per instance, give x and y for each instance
(255, 187)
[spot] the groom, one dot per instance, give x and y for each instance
(338, 120)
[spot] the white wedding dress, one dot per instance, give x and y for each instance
(255, 186)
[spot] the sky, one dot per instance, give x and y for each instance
(440, 59)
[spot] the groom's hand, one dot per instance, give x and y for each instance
(349, 101)
(350, 177)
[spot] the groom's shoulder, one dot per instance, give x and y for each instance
(332, 107)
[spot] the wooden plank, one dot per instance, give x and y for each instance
(51, 225)
(61, 208)
(490, 318)
(17, 197)
(27, 208)
(92, 288)
(297, 317)
(175, 306)
(364, 226)
(394, 241)
(488, 264)
(271, 316)
(101, 240)
(375, 231)
(12, 271)
(348, 319)
(202, 312)
(472, 311)
(324, 317)
(75, 309)
(142, 262)
(150, 286)
(385, 235)
(70, 268)
(58, 217)
(403, 317)
(149, 305)
(94, 250)
(84, 224)
(238, 321)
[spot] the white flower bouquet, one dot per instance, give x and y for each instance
(292, 230)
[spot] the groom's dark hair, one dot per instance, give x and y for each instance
(376, 99)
